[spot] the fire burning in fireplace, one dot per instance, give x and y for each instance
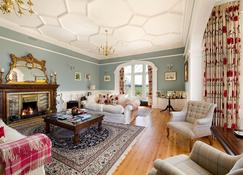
(29, 105)
(28, 111)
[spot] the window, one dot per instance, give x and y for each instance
(136, 80)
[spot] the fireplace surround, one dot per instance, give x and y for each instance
(18, 98)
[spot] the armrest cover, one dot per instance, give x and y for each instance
(212, 159)
(165, 168)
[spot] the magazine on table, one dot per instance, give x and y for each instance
(79, 118)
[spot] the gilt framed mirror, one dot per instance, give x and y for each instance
(27, 69)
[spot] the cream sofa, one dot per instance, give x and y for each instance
(13, 135)
(114, 113)
(203, 160)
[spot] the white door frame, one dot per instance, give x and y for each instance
(154, 70)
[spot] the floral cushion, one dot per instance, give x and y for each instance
(113, 99)
(103, 99)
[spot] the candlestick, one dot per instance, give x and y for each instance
(55, 78)
(1, 77)
(51, 78)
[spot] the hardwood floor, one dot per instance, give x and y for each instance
(153, 144)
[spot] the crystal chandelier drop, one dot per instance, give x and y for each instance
(105, 49)
(18, 6)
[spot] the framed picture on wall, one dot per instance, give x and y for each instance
(107, 78)
(87, 77)
(77, 76)
(170, 75)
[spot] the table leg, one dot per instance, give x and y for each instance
(100, 126)
(76, 139)
(47, 127)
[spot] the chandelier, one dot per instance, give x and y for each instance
(105, 49)
(18, 6)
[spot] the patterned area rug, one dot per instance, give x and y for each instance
(99, 152)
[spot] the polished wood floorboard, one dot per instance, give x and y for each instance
(153, 144)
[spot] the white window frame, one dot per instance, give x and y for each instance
(133, 62)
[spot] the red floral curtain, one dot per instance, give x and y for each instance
(121, 81)
(150, 81)
(222, 63)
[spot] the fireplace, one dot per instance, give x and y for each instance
(20, 101)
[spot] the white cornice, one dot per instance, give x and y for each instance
(6, 24)
(48, 50)
(80, 59)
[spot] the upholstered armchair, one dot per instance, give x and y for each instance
(203, 160)
(194, 121)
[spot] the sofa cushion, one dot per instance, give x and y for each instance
(93, 106)
(2, 131)
(197, 110)
(186, 165)
(184, 128)
(116, 109)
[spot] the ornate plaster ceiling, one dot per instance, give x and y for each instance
(135, 26)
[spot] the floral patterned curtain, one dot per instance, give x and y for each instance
(121, 82)
(150, 90)
(222, 63)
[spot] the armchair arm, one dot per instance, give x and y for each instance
(178, 116)
(203, 121)
(212, 159)
(164, 168)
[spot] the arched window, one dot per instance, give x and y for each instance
(135, 81)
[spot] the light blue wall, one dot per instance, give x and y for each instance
(62, 64)
(159, 59)
(55, 62)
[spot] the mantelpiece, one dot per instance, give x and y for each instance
(7, 89)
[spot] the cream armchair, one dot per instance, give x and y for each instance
(194, 121)
(203, 160)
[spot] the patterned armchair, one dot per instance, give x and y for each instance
(203, 160)
(194, 121)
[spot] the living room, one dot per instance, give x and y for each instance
(120, 87)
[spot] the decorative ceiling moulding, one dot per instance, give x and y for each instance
(6, 24)
(79, 59)
(133, 16)
(45, 49)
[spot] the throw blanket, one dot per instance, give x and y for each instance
(24, 155)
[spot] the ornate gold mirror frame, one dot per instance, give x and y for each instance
(30, 63)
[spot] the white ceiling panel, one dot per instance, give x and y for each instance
(134, 26)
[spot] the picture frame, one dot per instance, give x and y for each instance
(107, 78)
(87, 77)
(77, 76)
(186, 71)
(170, 76)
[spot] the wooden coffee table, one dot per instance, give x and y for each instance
(75, 127)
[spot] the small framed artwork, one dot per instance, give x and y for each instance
(77, 76)
(87, 77)
(107, 78)
(170, 76)
(186, 71)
